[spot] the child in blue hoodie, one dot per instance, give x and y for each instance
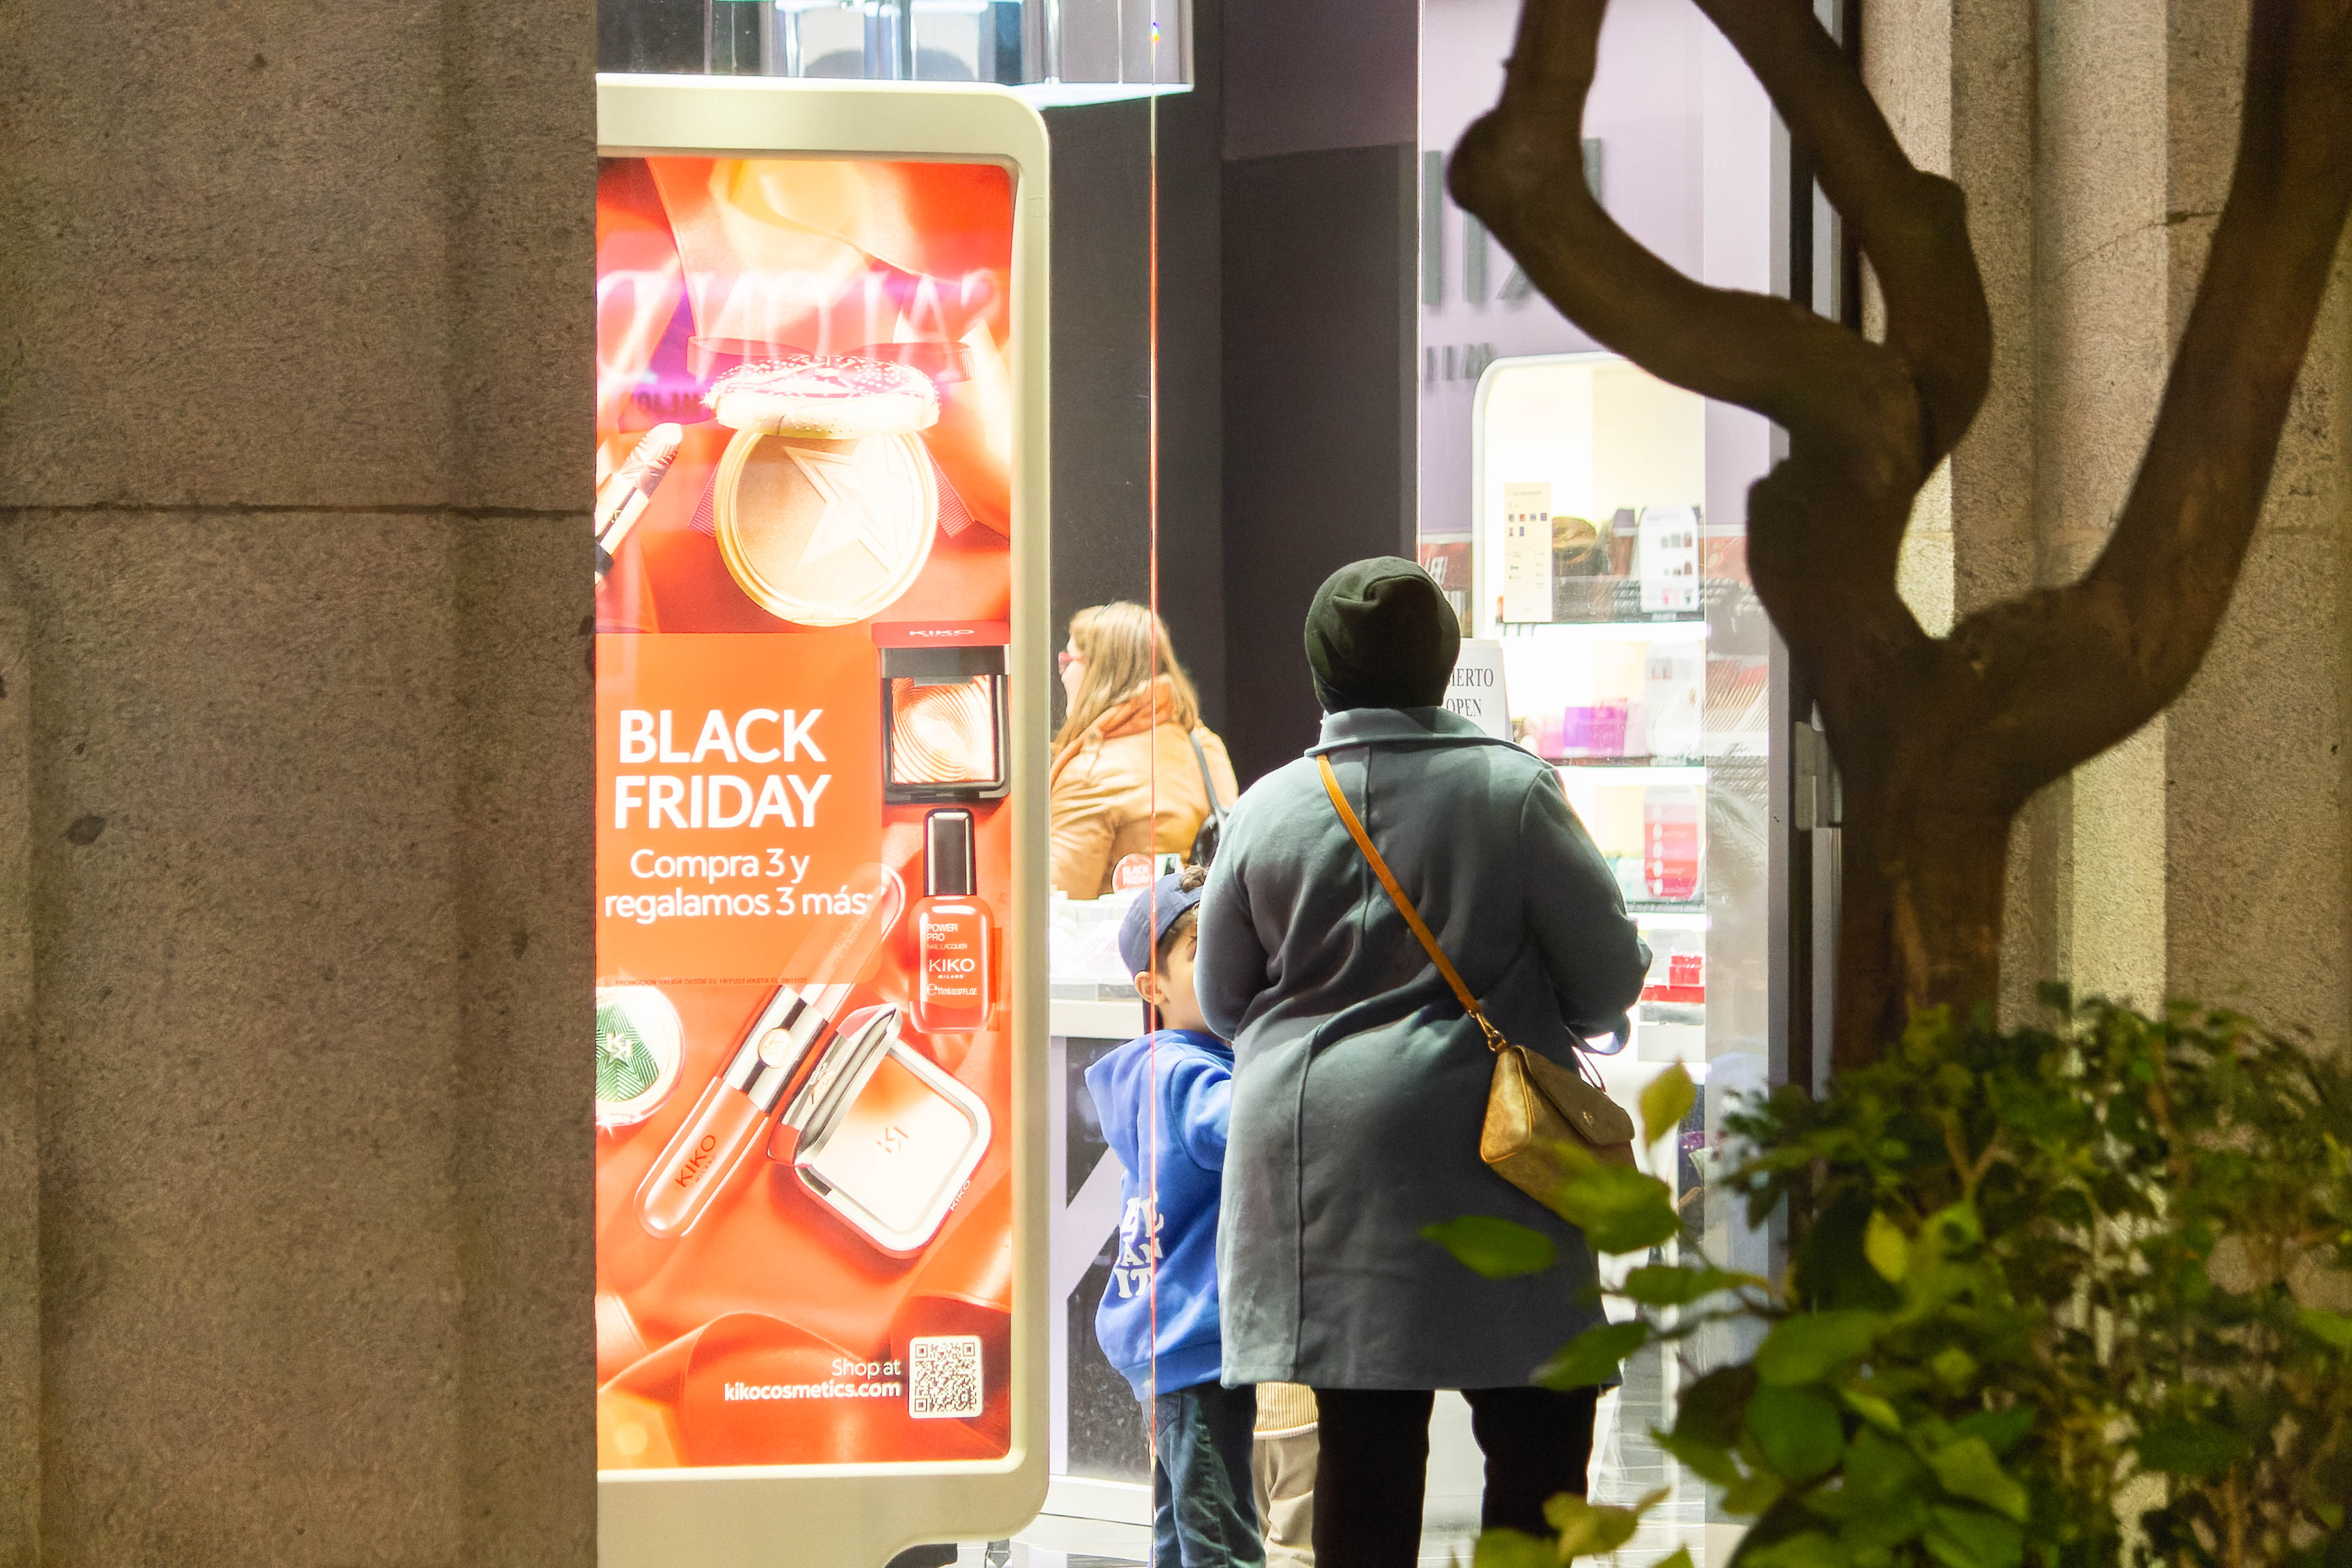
(1170, 1092)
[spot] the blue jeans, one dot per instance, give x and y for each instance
(1203, 1504)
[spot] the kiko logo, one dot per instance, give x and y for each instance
(699, 1161)
(893, 1139)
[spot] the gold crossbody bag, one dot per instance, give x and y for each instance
(1534, 1105)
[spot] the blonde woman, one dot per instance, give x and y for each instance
(1125, 725)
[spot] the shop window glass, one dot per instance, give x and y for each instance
(1588, 521)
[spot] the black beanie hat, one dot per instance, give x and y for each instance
(1380, 635)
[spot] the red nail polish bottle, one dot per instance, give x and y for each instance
(955, 933)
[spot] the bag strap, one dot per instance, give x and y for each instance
(1208, 783)
(1494, 1041)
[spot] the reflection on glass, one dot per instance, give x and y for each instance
(1057, 43)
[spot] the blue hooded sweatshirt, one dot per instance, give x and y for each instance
(1194, 1092)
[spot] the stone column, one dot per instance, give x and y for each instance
(2104, 339)
(2255, 879)
(2208, 855)
(293, 485)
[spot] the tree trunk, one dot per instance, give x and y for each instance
(1919, 913)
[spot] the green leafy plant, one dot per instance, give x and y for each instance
(2069, 1296)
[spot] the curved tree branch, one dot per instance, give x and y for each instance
(2070, 671)
(1912, 225)
(1826, 529)
(1519, 169)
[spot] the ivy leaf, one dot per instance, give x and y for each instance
(1681, 1559)
(1877, 1467)
(2001, 1429)
(1968, 1470)
(2332, 1329)
(1668, 1285)
(1618, 1209)
(1754, 1495)
(1972, 1538)
(1881, 1526)
(1713, 1408)
(1833, 1267)
(1808, 1347)
(2190, 1448)
(1798, 1430)
(1592, 1356)
(1513, 1549)
(1591, 1529)
(1701, 1459)
(1666, 1100)
(1886, 1247)
(1497, 1248)
(1806, 1549)
(1872, 1409)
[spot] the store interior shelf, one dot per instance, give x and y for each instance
(1683, 767)
(1070, 1018)
(1638, 773)
(1692, 628)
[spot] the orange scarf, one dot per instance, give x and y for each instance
(1142, 710)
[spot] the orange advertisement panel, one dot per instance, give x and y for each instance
(804, 1057)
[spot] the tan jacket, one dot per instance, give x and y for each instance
(1101, 793)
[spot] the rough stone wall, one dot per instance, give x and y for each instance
(2259, 909)
(294, 779)
(2208, 856)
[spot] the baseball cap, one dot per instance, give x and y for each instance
(1154, 910)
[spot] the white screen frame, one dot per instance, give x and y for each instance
(857, 1516)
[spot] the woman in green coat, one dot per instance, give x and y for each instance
(1360, 1085)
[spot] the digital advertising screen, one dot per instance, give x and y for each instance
(805, 448)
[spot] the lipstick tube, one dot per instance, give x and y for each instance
(631, 489)
(733, 1111)
(732, 1117)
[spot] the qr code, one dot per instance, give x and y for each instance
(943, 1375)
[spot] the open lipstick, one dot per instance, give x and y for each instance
(732, 1116)
(631, 489)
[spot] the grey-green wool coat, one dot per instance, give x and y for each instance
(1360, 1084)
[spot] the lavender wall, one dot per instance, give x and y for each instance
(1686, 167)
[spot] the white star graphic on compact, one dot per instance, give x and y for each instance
(847, 486)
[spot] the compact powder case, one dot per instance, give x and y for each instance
(822, 533)
(825, 502)
(639, 1040)
(883, 1137)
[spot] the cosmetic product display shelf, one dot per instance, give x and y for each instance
(1072, 1018)
(1662, 628)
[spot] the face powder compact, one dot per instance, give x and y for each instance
(881, 1136)
(637, 1037)
(824, 502)
(943, 712)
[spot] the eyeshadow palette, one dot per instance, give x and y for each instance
(943, 715)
